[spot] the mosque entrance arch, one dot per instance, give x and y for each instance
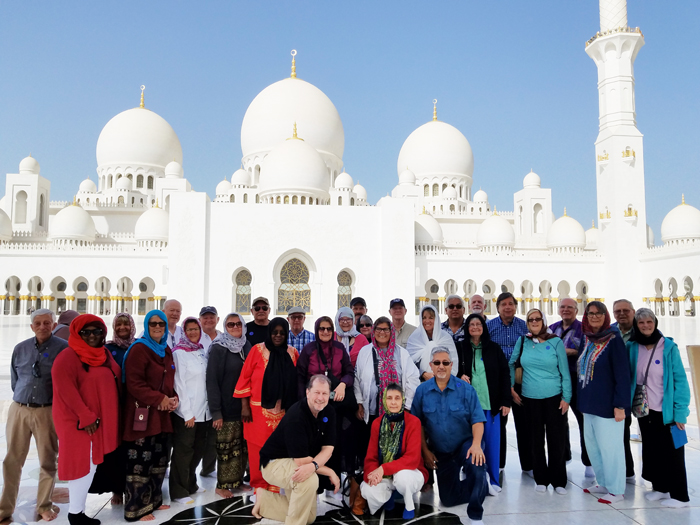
(688, 298)
(659, 306)
(673, 306)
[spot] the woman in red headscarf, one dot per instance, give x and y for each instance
(86, 385)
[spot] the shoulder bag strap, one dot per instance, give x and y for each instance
(651, 358)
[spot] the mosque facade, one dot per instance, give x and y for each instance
(283, 225)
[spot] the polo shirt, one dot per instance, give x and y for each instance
(300, 434)
(447, 415)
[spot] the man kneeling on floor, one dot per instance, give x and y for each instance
(295, 454)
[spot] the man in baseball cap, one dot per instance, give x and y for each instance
(397, 310)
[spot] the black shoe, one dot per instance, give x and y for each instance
(82, 519)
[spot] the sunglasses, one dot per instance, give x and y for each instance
(365, 325)
(453, 306)
(443, 363)
(383, 330)
(264, 308)
(153, 324)
(233, 324)
(325, 329)
(535, 320)
(95, 331)
(595, 314)
(36, 370)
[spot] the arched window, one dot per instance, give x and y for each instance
(452, 208)
(436, 190)
(460, 192)
(286, 199)
(444, 187)
(294, 287)
(119, 176)
(295, 200)
(340, 201)
(303, 200)
(233, 198)
(538, 218)
(426, 191)
(130, 176)
(150, 182)
(245, 198)
(520, 220)
(139, 181)
(41, 210)
(352, 201)
(257, 198)
(120, 200)
(243, 280)
(344, 289)
(278, 200)
(21, 207)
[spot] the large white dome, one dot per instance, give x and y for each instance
(153, 225)
(138, 137)
(270, 117)
(592, 235)
(223, 188)
(29, 166)
(124, 183)
(495, 231)
(481, 196)
(344, 181)
(174, 170)
(531, 180)
(681, 223)
(87, 186)
(294, 166)
(73, 223)
(360, 191)
(566, 232)
(240, 177)
(428, 230)
(436, 149)
(5, 227)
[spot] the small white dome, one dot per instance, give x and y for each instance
(138, 137)
(531, 180)
(343, 181)
(174, 170)
(153, 225)
(480, 196)
(407, 177)
(428, 230)
(293, 166)
(592, 235)
(566, 232)
(681, 223)
(650, 237)
(223, 188)
(29, 166)
(240, 177)
(124, 183)
(449, 193)
(495, 231)
(5, 227)
(87, 186)
(360, 191)
(73, 223)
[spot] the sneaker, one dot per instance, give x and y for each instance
(589, 473)
(596, 489)
(674, 503)
(540, 489)
(611, 498)
(656, 496)
(493, 489)
(184, 501)
(560, 490)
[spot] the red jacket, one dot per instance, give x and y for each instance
(79, 398)
(411, 457)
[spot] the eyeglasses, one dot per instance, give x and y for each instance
(264, 308)
(595, 314)
(95, 331)
(296, 317)
(325, 328)
(535, 320)
(453, 306)
(195, 329)
(365, 325)
(345, 320)
(443, 363)
(383, 330)
(233, 324)
(36, 370)
(153, 324)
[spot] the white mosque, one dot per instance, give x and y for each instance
(283, 225)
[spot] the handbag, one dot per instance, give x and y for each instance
(141, 413)
(640, 401)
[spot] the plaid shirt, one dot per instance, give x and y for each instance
(506, 335)
(457, 336)
(300, 341)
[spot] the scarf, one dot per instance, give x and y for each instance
(386, 364)
(325, 348)
(87, 354)
(119, 341)
(545, 332)
(184, 343)
(344, 337)
(390, 440)
(157, 346)
(419, 345)
(605, 332)
(280, 378)
(651, 339)
(233, 344)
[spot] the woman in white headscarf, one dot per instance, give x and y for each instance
(425, 338)
(346, 333)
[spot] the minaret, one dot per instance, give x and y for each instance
(619, 150)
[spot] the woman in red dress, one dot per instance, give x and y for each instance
(267, 387)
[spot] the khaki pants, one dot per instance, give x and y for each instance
(298, 504)
(23, 423)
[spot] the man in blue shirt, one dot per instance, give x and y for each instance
(505, 330)
(453, 425)
(298, 336)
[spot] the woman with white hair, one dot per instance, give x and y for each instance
(660, 399)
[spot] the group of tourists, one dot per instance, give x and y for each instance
(368, 411)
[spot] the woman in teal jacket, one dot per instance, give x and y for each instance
(668, 394)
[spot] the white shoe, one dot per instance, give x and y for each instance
(540, 489)
(493, 489)
(611, 498)
(675, 503)
(477, 522)
(631, 480)
(656, 496)
(560, 490)
(596, 489)
(184, 501)
(589, 473)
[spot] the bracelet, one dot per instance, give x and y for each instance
(315, 464)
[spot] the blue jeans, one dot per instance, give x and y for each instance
(472, 490)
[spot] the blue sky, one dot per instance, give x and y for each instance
(513, 76)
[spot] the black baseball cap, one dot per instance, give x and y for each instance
(395, 302)
(208, 310)
(358, 300)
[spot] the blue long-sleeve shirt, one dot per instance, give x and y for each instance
(505, 335)
(545, 368)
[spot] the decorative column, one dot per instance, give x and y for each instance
(134, 305)
(3, 298)
(70, 302)
(23, 304)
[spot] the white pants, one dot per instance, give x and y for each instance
(78, 489)
(406, 482)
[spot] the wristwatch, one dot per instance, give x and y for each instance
(315, 464)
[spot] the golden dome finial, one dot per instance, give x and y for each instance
(142, 90)
(434, 109)
(682, 198)
(294, 63)
(593, 223)
(75, 201)
(565, 212)
(156, 206)
(495, 212)
(294, 134)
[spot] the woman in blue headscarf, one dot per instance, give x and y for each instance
(149, 376)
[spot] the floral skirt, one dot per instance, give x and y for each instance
(146, 463)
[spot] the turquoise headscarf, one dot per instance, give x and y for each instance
(157, 346)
